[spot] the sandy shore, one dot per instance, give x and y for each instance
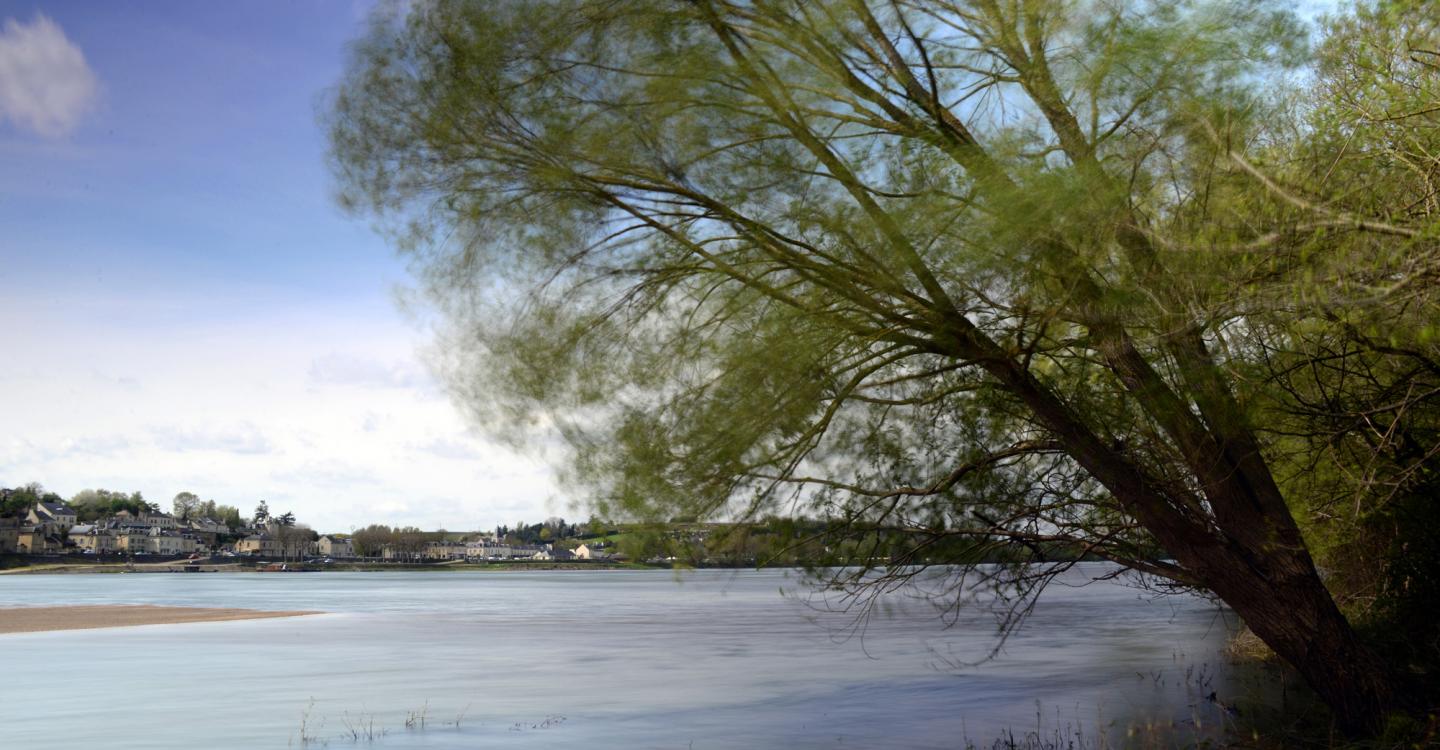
(35, 619)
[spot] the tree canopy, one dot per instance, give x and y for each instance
(185, 505)
(96, 504)
(18, 501)
(956, 274)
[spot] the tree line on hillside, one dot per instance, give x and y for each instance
(93, 505)
(410, 541)
(550, 530)
(89, 505)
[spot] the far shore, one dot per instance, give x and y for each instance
(86, 617)
(210, 566)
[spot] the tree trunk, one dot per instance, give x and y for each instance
(1288, 607)
(1250, 553)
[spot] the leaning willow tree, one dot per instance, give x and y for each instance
(956, 274)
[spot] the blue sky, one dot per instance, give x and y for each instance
(201, 160)
(185, 307)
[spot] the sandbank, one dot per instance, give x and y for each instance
(83, 617)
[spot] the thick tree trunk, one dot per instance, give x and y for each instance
(1285, 603)
(1246, 548)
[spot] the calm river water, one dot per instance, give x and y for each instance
(599, 659)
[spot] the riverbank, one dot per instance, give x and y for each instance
(88, 617)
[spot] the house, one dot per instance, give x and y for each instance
(555, 553)
(259, 544)
(392, 552)
(38, 539)
(445, 551)
(153, 541)
(487, 550)
(171, 543)
(334, 545)
(56, 516)
(207, 530)
(591, 552)
(146, 518)
(130, 540)
(159, 541)
(158, 520)
(88, 537)
(209, 526)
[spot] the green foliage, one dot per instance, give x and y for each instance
(369, 541)
(185, 505)
(1352, 368)
(228, 515)
(714, 320)
(552, 529)
(406, 541)
(98, 504)
(19, 500)
(646, 544)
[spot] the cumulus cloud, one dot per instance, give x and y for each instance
(45, 84)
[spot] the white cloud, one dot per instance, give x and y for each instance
(240, 438)
(346, 369)
(331, 417)
(21, 450)
(97, 445)
(45, 84)
(449, 448)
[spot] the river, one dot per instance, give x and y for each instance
(604, 659)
